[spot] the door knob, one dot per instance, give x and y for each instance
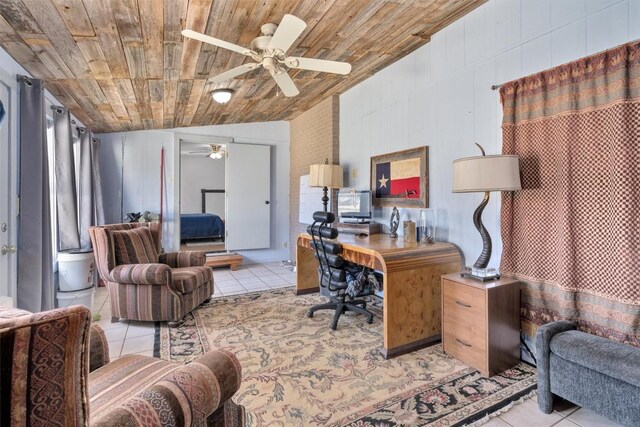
(266, 202)
(8, 249)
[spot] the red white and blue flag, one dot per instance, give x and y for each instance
(399, 178)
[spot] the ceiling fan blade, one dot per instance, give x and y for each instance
(227, 75)
(216, 42)
(286, 84)
(318, 65)
(288, 31)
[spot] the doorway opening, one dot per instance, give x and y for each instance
(202, 195)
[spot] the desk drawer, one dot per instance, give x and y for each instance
(464, 302)
(464, 323)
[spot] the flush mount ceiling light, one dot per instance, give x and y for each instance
(222, 96)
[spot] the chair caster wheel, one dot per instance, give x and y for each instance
(334, 327)
(364, 305)
(309, 314)
(370, 320)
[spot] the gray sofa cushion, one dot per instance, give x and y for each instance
(600, 354)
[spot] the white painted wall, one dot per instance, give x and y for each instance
(198, 172)
(440, 96)
(135, 182)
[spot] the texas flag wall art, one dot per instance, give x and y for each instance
(400, 178)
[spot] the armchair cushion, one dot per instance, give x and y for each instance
(134, 246)
(187, 279)
(44, 367)
(183, 259)
(172, 394)
(141, 274)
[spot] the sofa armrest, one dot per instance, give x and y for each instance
(185, 396)
(543, 351)
(183, 259)
(141, 274)
(98, 348)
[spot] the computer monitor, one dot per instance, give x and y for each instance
(354, 205)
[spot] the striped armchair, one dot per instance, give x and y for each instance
(143, 283)
(56, 372)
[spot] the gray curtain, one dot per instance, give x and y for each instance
(35, 260)
(66, 199)
(97, 183)
(86, 188)
(91, 207)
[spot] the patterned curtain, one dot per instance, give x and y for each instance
(572, 235)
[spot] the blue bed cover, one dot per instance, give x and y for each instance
(197, 226)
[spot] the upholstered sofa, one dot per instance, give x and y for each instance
(591, 371)
(143, 283)
(55, 371)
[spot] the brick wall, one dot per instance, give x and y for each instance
(314, 137)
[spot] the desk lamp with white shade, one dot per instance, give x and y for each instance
(483, 174)
(325, 176)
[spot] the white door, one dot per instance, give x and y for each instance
(8, 188)
(248, 190)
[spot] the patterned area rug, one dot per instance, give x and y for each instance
(298, 372)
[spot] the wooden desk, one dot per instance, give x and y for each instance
(411, 273)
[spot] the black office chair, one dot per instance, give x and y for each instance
(331, 273)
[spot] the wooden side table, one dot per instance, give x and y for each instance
(481, 322)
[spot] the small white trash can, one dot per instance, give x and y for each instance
(75, 270)
(76, 278)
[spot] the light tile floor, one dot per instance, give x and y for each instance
(132, 337)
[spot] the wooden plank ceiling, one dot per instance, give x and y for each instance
(123, 64)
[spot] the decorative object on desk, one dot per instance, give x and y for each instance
(393, 223)
(484, 174)
(427, 226)
(401, 178)
(409, 231)
(325, 176)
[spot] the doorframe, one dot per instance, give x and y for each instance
(11, 83)
(177, 162)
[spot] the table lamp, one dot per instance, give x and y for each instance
(325, 176)
(483, 174)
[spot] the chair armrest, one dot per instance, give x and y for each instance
(189, 394)
(543, 352)
(183, 259)
(141, 274)
(98, 348)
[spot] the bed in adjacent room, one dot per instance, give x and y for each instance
(196, 226)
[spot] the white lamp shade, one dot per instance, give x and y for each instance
(329, 176)
(486, 173)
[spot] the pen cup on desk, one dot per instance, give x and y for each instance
(426, 226)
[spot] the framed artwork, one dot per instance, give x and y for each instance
(401, 178)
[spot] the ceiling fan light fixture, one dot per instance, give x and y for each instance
(222, 96)
(215, 155)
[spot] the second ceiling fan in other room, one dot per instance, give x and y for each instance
(269, 51)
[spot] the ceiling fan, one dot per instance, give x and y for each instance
(215, 151)
(269, 51)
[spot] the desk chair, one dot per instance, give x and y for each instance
(331, 273)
